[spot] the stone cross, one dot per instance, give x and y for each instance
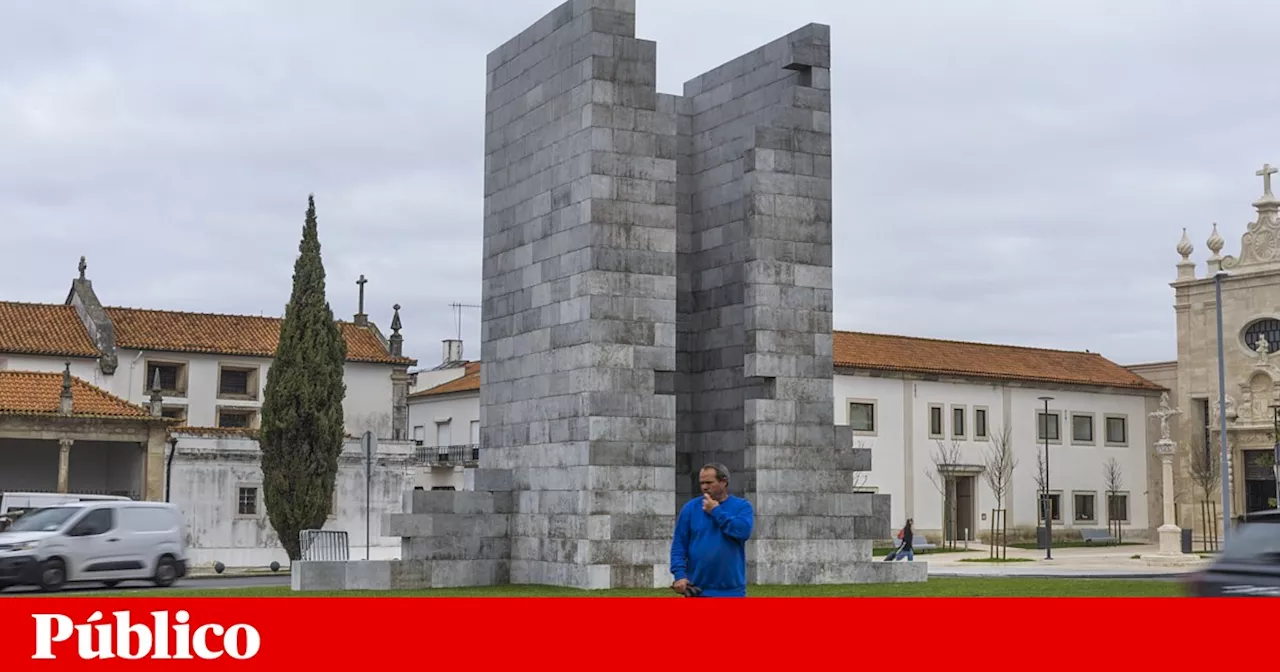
(1266, 173)
(361, 283)
(82, 267)
(1165, 412)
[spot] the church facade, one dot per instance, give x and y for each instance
(1250, 310)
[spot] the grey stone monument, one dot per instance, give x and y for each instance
(657, 295)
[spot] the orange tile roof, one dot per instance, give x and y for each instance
(43, 329)
(246, 335)
(883, 352)
(468, 382)
(39, 393)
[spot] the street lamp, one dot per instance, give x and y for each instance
(1222, 411)
(1048, 503)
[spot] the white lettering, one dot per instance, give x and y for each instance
(164, 638)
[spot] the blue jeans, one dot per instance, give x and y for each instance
(909, 554)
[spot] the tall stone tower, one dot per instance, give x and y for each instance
(657, 295)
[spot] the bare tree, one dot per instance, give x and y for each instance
(1044, 507)
(945, 459)
(999, 463)
(1113, 478)
(1206, 471)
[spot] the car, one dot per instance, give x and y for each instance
(1249, 565)
(104, 541)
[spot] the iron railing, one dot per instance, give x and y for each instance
(466, 455)
(324, 545)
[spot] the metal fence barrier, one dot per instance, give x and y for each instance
(324, 545)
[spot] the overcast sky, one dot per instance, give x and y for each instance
(1015, 172)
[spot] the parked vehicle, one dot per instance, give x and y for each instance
(104, 541)
(1249, 565)
(36, 500)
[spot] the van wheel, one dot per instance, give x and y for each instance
(166, 572)
(53, 574)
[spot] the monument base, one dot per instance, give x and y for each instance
(1171, 554)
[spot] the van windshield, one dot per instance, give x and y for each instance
(43, 520)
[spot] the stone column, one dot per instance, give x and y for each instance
(64, 464)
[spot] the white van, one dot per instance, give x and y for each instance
(106, 541)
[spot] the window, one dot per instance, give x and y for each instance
(419, 435)
(957, 422)
(980, 423)
(1117, 430)
(443, 440)
(1055, 504)
(235, 418)
(247, 502)
(862, 416)
(1083, 507)
(176, 412)
(1118, 507)
(1049, 423)
(172, 376)
(936, 430)
(96, 522)
(1269, 328)
(1081, 428)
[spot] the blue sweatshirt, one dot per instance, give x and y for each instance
(710, 550)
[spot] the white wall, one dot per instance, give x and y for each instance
(426, 415)
(209, 471)
(367, 405)
(902, 447)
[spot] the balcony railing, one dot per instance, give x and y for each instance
(466, 455)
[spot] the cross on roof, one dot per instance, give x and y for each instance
(361, 283)
(1266, 173)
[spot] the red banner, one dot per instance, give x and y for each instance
(625, 633)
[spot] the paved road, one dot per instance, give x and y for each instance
(190, 583)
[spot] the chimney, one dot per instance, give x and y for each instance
(65, 405)
(452, 350)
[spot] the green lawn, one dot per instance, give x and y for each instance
(937, 587)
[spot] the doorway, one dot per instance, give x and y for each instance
(1259, 481)
(963, 527)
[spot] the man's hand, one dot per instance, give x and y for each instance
(680, 585)
(708, 503)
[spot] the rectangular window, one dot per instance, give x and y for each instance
(247, 502)
(1082, 428)
(235, 419)
(980, 423)
(1084, 507)
(862, 416)
(1118, 507)
(957, 422)
(1048, 426)
(1055, 504)
(935, 422)
(1117, 430)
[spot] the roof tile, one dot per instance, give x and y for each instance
(39, 393)
(43, 329)
(884, 352)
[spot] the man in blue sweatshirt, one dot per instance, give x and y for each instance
(709, 547)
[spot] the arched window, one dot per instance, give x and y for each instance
(1269, 327)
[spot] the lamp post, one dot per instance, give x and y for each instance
(1222, 411)
(1047, 504)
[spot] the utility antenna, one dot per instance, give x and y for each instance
(457, 309)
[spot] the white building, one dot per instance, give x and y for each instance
(907, 396)
(444, 420)
(211, 370)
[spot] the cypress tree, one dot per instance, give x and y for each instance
(302, 428)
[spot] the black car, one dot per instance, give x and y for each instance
(1249, 565)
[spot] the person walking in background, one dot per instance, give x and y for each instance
(709, 546)
(905, 550)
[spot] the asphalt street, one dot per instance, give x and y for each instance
(189, 583)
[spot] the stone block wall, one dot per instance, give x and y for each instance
(579, 298)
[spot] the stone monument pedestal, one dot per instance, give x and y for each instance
(1170, 534)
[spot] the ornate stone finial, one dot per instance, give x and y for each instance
(157, 399)
(83, 267)
(1215, 242)
(1185, 248)
(1266, 173)
(1164, 413)
(65, 399)
(397, 341)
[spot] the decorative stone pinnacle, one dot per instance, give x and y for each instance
(395, 319)
(1185, 248)
(65, 401)
(1215, 241)
(83, 267)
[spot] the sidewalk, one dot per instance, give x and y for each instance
(207, 572)
(1105, 561)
